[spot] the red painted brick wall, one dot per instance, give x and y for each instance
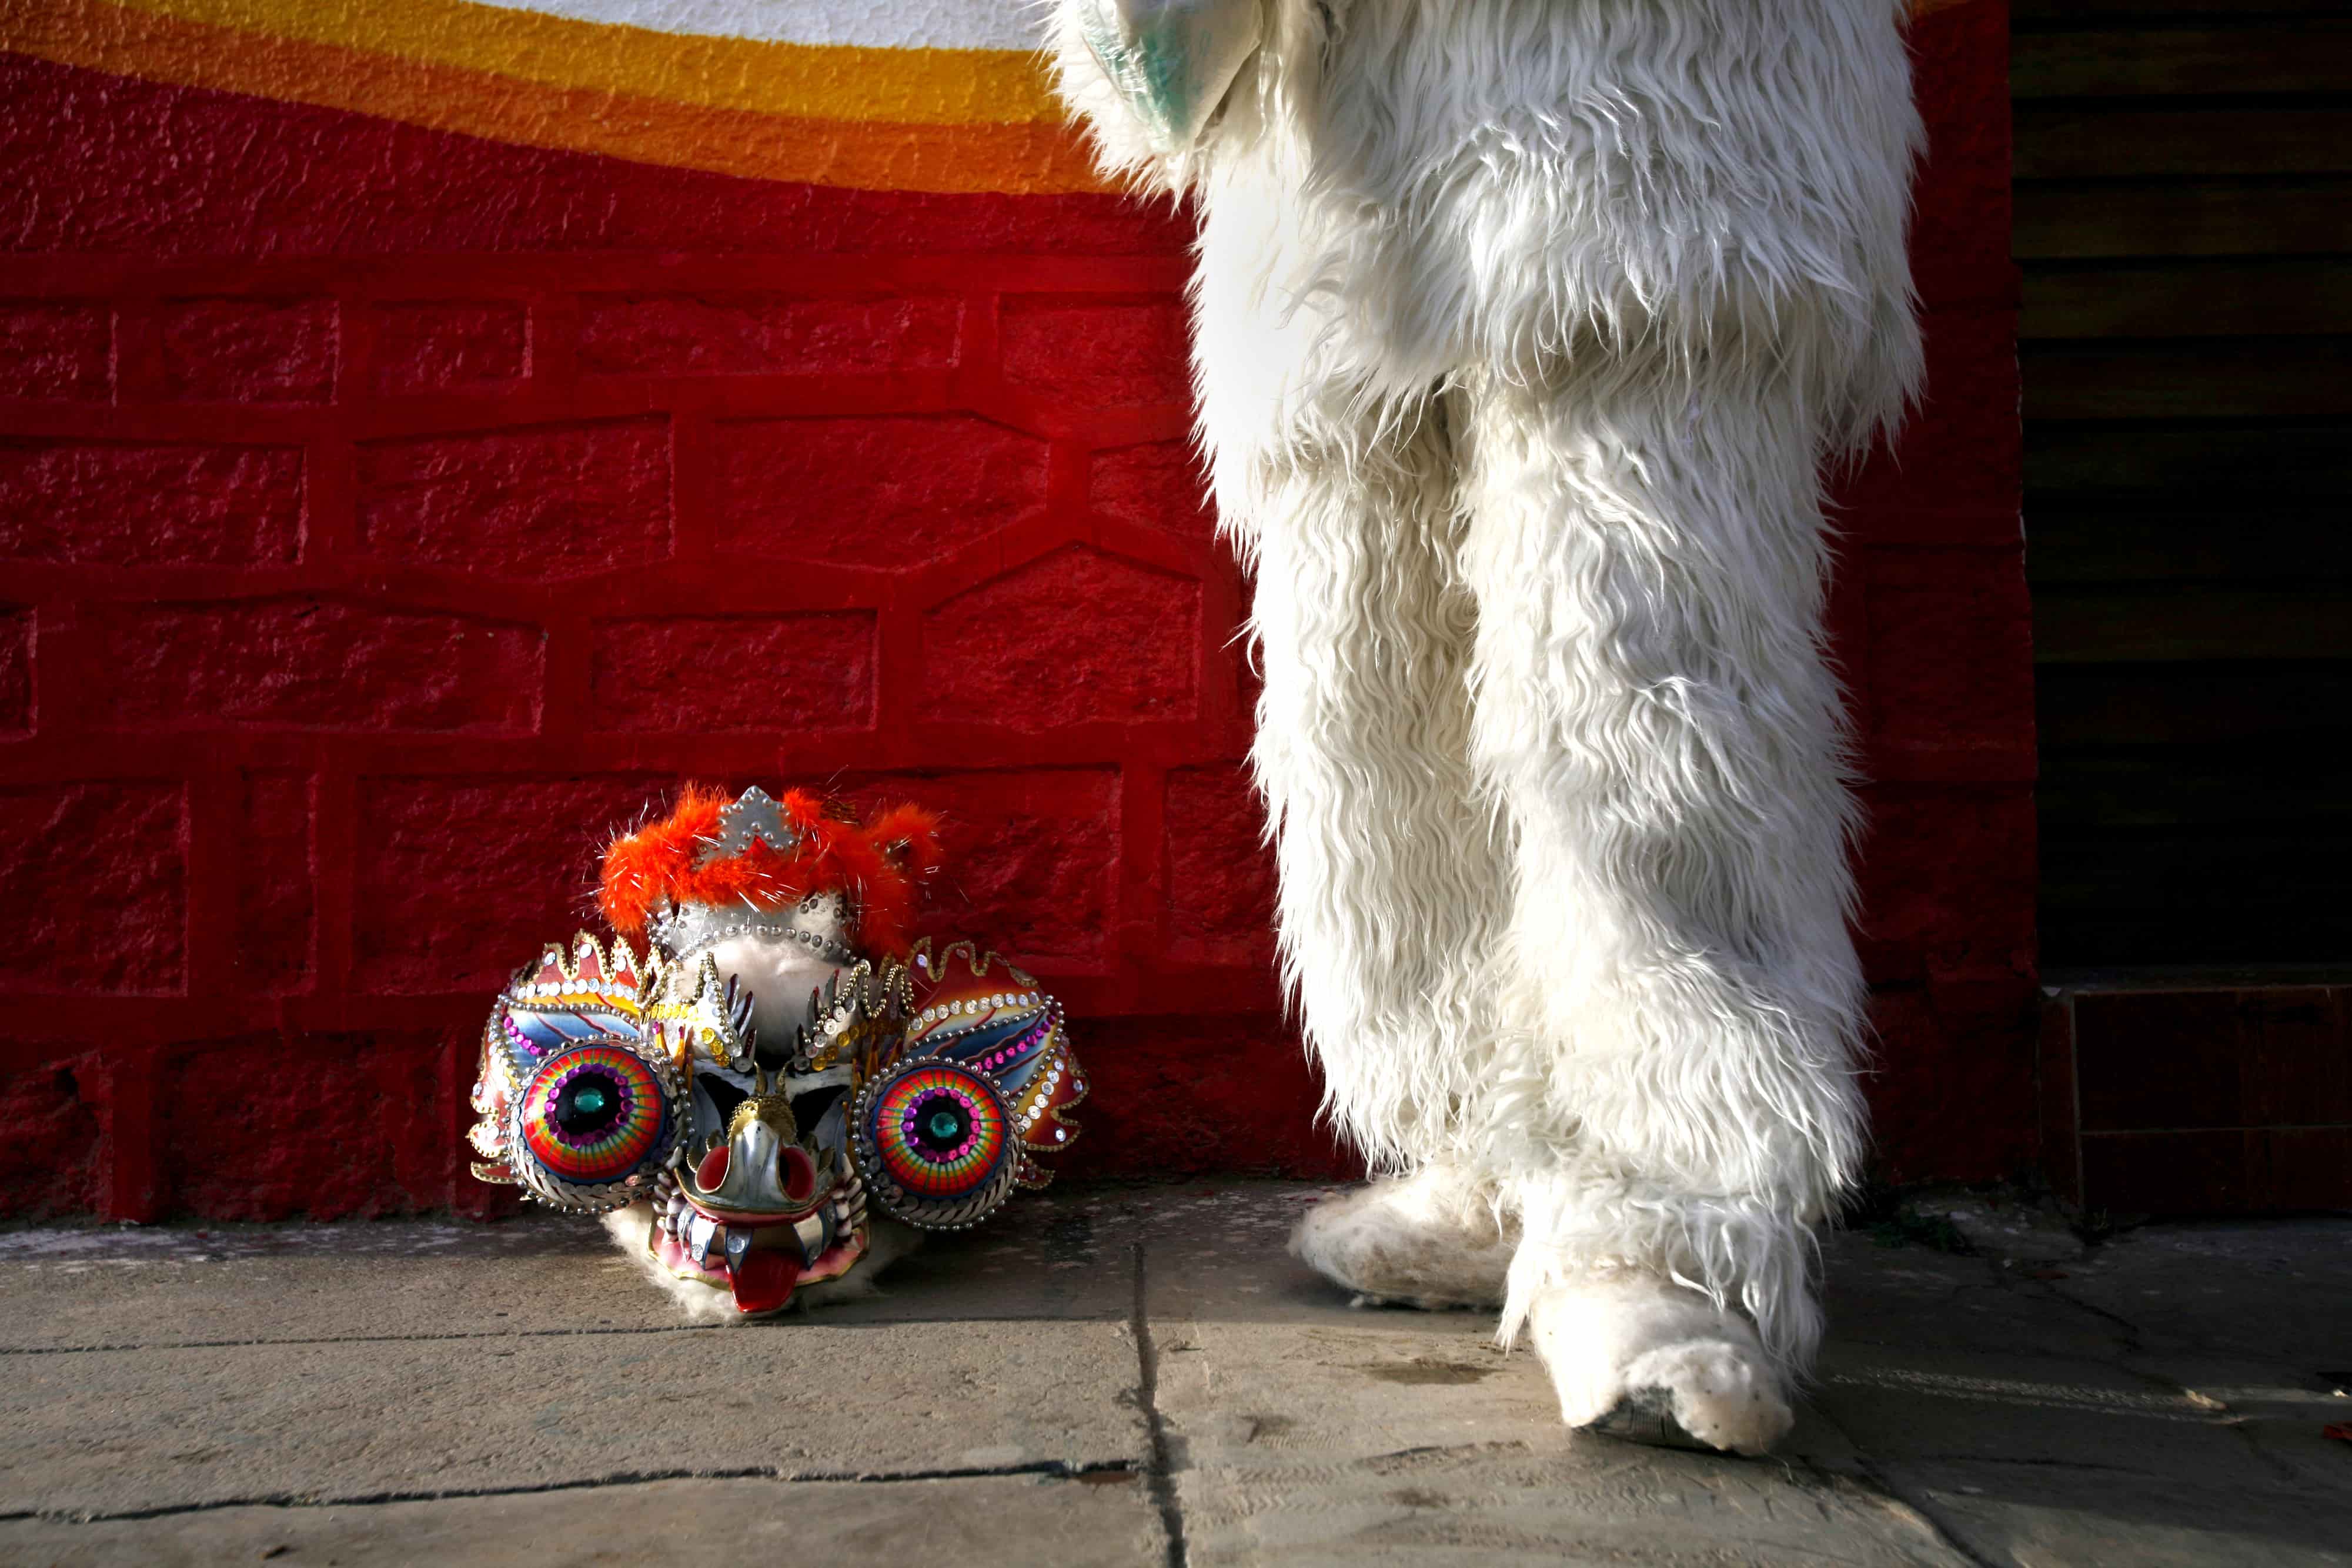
(385, 516)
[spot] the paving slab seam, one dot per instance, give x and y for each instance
(2135, 1351)
(1055, 1468)
(1946, 1536)
(1160, 1474)
(648, 1329)
(1877, 1479)
(2046, 1290)
(1805, 1470)
(2280, 1469)
(363, 1339)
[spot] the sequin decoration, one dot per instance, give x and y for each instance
(582, 994)
(974, 1007)
(934, 1140)
(594, 1126)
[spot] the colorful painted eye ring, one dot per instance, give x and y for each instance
(595, 1126)
(933, 1139)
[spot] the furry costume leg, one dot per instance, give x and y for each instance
(1363, 636)
(1655, 712)
(1340, 495)
(1391, 881)
(1647, 261)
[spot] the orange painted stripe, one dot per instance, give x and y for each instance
(810, 81)
(1022, 159)
(543, 81)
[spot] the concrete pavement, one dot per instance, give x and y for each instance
(1136, 1377)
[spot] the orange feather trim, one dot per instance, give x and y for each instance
(881, 863)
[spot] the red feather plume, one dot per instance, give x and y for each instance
(881, 863)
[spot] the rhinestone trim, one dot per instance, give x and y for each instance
(688, 930)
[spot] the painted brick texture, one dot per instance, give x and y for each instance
(388, 517)
(430, 345)
(248, 350)
(823, 490)
(61, 351)
(103, 503)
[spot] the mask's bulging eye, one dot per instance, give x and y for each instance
(935, 1142)
(592, 1117)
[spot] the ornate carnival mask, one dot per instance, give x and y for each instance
(780, 1058)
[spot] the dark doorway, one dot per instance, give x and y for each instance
(2183, 228)
(2183, 220)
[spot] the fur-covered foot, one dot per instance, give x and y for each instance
(1634, 1356)
(1431, 1239)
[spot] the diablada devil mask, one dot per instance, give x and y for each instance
(780, 1085)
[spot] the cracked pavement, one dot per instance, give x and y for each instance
(1133, 1376)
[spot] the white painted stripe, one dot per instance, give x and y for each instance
(873, 24)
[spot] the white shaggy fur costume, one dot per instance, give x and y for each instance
(1524, 330)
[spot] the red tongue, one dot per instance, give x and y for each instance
(764, 1281)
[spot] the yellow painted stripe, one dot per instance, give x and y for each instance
(808, 82)
(96, 35)
(543, 81)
